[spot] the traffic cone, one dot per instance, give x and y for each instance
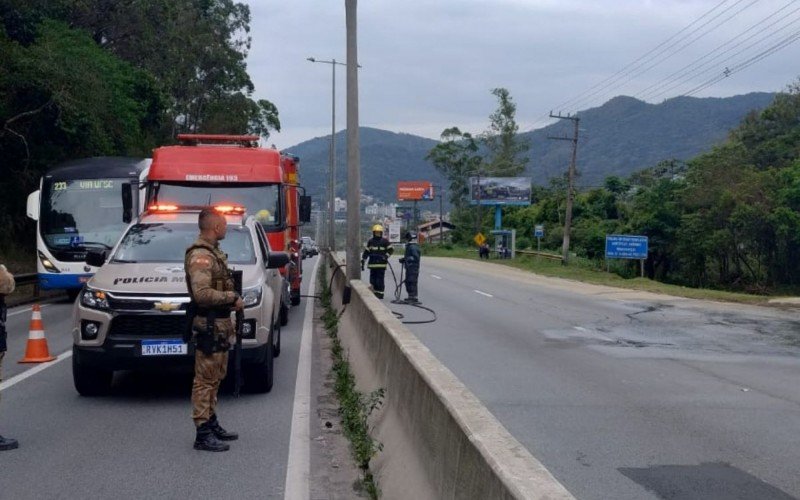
(36, 351)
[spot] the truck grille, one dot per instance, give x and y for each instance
(148, 325)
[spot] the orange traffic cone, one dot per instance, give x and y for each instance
(36, 351)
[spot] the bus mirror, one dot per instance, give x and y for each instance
(305, 209)
(127, 202)
(96, 258)
(277, 260)
(33, 205)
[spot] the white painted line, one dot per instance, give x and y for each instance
(580, 328)
(33, 371)
(483, 293)
(27, 309)
(437, 277)
(298, 468)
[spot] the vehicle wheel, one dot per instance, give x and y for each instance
(89, 381)
(276, 347)
(258, 377)
(72, 294)
(283, 315)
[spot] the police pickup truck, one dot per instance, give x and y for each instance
(132, 313)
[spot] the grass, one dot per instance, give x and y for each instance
(355, 407)
(586, 271)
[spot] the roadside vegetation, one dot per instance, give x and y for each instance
(84, 78)
(355, 407)
(726, 220)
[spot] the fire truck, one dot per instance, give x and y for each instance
(234, 170)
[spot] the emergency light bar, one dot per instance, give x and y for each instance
(214, 139)
(223, 209)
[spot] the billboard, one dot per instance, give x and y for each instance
(414, 191)
(395, 228)
(500, 190)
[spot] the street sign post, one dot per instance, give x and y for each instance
(624, 246)
(538, 233)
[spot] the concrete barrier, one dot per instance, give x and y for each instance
(439, 440)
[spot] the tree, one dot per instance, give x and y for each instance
(501, 140)
(457, 158)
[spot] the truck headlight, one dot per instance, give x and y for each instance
(251, 296)
(96, 299)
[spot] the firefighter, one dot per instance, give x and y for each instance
(378, 250)
(411, 261)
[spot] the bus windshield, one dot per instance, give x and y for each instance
(260, 200)
(81, 213)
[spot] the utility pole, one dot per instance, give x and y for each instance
(353, 149)
(570, 182)
(441, 215)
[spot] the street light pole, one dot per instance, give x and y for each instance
(353, 149)
(332, 155)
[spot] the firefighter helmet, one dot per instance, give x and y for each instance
(377, 228)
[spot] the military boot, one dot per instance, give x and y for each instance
(8, 444)
(207, 441)
(219, 432)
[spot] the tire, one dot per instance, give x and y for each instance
(88, 380)
(283, 315)
(258, 377)
(276, 346)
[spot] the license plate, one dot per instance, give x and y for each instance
(163, 348)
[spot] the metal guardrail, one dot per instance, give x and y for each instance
(26, 279)
(541, 254)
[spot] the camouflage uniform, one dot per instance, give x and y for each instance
(6, 287)
(211, 287)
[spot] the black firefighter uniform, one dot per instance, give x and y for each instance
(377, 255)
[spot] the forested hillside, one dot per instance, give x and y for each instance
(620, 137)
(727, 218)
(104, 77)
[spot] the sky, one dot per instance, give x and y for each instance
(431, 64)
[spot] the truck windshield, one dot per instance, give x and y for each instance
(168, 243)
(260, 200)
(81, 213)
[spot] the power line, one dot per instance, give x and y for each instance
(690, 71)
(654, 49)
(746, 64)
(638, 72)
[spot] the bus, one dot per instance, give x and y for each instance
(204, 169)
(80, 205)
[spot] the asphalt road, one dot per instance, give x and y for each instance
(137, 442)
(624, 395)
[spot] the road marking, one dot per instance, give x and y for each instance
(27, 309)
(483, 293)
(298, 468)
(580, 328)
(437, 277)
(33, 371)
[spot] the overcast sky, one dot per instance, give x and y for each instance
(430, 64)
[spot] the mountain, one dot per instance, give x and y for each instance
(618, 138)
(386, 157)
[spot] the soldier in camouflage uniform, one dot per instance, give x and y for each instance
(6, 287)
(211, 289)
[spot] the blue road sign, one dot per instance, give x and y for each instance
(622, 246)
(538, 232)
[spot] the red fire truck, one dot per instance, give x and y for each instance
(232, 169)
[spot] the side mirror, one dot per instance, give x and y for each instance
(277, 260)
(127, 203)
(96, 258)
(305, 209)
(33, 205)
